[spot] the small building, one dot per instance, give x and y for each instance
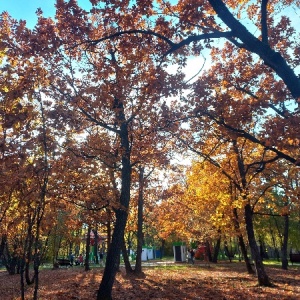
(179, 250)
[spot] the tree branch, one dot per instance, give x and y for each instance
(120, 33)
(264, 24)
(270, 57)
(252, 138)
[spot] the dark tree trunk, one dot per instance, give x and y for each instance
(113, 255)
(216, 250)
(263, 279)
(108, 229)
(96, 247)
(36, 265)
(274, 241)
(9, 260)
(22, 283)
(284, 262)
(128, 267)
(208, 252)
(138, 260)
(245, 255)
(87, 250)
(242, 242)
(162, 248)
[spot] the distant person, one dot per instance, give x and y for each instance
(80, 259)
(192, 256)
(71, 258)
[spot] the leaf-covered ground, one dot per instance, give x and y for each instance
(220, 281)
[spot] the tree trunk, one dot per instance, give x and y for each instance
(208, 251)
(216, 250)
(274, 241)
(113, 255)
(241, 242)
(263, 279)
(8, 259)
(138, 260)
(112, 259)
(284, 262)
(28, 255)
(36, 265)
(87, 250)
(245, 255)
(96, 247)
(128, 267)
(108, 229)
(162, 248)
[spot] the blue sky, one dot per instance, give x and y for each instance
(25, 9)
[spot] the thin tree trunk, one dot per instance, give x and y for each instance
(128, 267)
(87, 249)
(138, 260)
(36, 265)
(273, 240)
(96, 247)
(108, 228)
(162, 248)
(242, 242)
(22, 284)
(263, 279)
(28, 255)
(284, 263)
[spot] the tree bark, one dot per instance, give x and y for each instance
(128, 267)
(284, 262)
(208, 251)
(87, 249)
(96, 247)
(263, 279)
(113, 255)
(241, 242)
(138, 261)
(216, 250)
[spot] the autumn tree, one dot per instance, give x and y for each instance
(88, 55)
(181, 31)
(108, 86)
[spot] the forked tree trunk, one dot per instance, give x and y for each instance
(263, 279)
(242, 242)
(8, 259)
(245, 254)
